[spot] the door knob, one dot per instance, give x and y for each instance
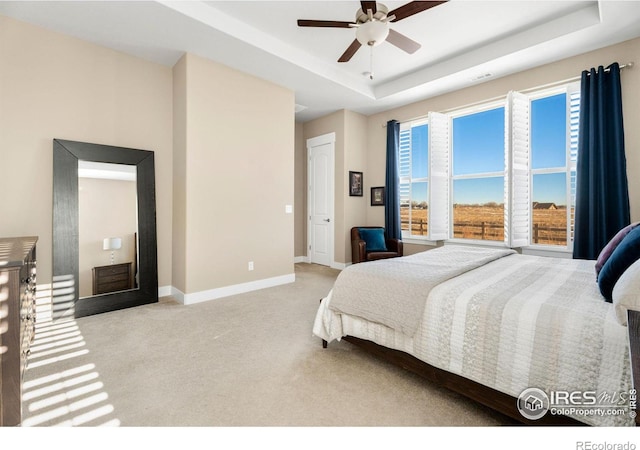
(327, 220)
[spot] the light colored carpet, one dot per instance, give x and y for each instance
(246, 360)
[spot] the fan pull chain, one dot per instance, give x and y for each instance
(371, 63)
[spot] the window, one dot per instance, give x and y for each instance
(503, 171)
(478, 155)
(553, 168)
(414, 178)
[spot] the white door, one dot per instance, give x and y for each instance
(320, 231)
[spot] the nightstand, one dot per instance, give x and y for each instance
(112, 278)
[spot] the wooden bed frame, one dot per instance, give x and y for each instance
(487, 396)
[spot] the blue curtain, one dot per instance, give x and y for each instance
(602, 196)
(392, 194)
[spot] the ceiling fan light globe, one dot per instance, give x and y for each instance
(372, 33)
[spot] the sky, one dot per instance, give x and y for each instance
(420, 151)
(549, 148)
(549, 132)
(478, 191)
(478, 143)
(550, 188)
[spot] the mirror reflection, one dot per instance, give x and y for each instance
(107, 228)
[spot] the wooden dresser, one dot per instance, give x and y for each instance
(17, 321)
(112, 278)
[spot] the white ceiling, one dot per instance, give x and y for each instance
(462, 41)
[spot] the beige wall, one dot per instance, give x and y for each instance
(238, 176)
(349, 151)
(332, 123)
(625, 52)
(107, 208)
(355, 208)
(350, 155)
(55, 86)
(300, 192)
(179, 216)
(233, 161)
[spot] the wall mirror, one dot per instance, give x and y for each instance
(104, 228)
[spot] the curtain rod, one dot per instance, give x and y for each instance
(500, 97)
(569, 80)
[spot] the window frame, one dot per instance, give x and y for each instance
(408, 126)
(517, 172)
(462, 112)
(571, 90)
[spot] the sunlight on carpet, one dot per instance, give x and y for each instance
(68, 397)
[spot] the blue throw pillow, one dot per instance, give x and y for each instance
(606, 252)
(374, 238)
(625, 254)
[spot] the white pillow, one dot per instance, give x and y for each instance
(626, 292)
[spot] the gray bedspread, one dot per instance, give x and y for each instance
(517, 322)
(393, 292)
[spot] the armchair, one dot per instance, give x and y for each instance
(380, 247)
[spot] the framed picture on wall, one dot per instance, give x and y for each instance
(377, 196)
(355, 184)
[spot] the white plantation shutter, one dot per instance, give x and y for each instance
(573, 94)
(517, 223)
(574, 120)
(404, 167)
(439, 125)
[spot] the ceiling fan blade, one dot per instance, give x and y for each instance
(411, 8)
(353, 48)
(369, 6)
(402, 42)
(325, 23)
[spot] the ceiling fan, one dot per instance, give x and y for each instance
(372, 26)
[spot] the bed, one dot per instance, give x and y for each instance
(490, 324)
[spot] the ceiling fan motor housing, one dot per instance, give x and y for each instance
(372, 30)
(372, 26)
(372, 33)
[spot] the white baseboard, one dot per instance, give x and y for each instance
(300, 259)
(164, 291)
(44, 307)
(177, 294)
(212, 294)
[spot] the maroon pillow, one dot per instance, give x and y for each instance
(611, 246)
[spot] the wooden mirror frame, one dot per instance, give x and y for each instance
(66, 155)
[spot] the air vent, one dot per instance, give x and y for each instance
(482, 76)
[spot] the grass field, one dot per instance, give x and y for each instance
(487, 222)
